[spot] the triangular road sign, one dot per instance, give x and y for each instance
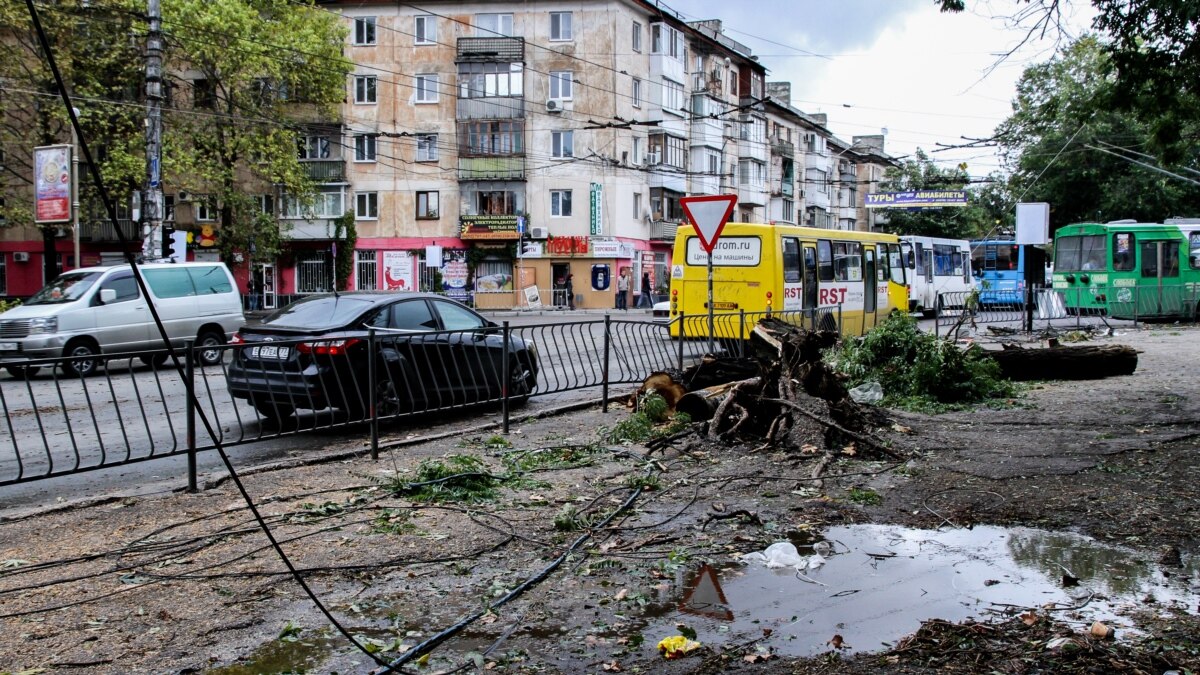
(709, 214)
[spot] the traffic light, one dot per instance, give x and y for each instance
(174, 244)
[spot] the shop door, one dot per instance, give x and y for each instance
(265, 279)
(558, 277)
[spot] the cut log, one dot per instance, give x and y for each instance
(1083, 362)
(702, 404)
(665, 385)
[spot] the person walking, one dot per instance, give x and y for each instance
(623, 290)
(646, 299)
(569, 285)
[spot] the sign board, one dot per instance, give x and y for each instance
(596, 210)
(729, 252)
(709, 215)
(52, 184)
(398, 271)
(915, 199)
(532, 297)
(1033, 224)
(433, 256)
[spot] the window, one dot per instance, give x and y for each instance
(424, 30)
(493, 137)
(637, 37)
(637, 93)
(313, 272)
(486, 80)
(791, 260)
(170, 283)
(669, 150)
(328, 203)
(825, 259)
(672, 96)
(750, 172)
(427, 205)
(124, 285)
(413, 315)
(947, 261)
(562, 143)
(494, 199)
(314, 147)
(1194, 250)
(427, 148)
(560, 26)
(266, 204)
(364, 89)
(666, 40)
(1070, 254)
(364, 148)
(788, 213)
(847, 261)
(366, 271)
(427, 88)
(491, 25)
(1122, 252)
(364, 30)
(560, 203)
(1148, 250)
(210, 280)
(206, 208)
(366, 206)
(204, 94)
(560, 84)
(637, 206)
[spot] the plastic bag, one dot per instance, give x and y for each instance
(784, 554)
(867, 392)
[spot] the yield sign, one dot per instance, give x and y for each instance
(709, 214)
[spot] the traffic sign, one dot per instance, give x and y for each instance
(709, 214)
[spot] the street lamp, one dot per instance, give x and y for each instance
(75, 189)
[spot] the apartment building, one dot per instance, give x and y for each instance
(493, 150)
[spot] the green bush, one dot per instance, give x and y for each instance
(6, 305)
(918, 370)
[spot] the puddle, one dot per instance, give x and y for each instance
(881, 582)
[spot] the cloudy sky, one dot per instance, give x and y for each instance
(926, 77)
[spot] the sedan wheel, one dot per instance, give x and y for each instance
(521, 381)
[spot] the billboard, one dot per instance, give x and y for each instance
(52, 184)
(916, 199)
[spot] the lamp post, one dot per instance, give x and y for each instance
(75, 190)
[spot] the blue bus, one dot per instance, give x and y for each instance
(999, 269)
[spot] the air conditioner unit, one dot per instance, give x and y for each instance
(539, 233)
(555, 105)
(20, 256)
(183, 196)
(651, 158)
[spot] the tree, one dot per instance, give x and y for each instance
(1153, 62)
(97, 50)
(1063, 139)
(262, 70)
(921, 173)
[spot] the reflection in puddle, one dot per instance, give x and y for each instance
(880, 582)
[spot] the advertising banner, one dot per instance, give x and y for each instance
(52, 184)
(454, 274)
(398, 274)
(916, 199)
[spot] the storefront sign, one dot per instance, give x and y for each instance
(567, 246)
(611, 248)
(398, 271)
(454, 274)
(533, 249)
(490, 227)
(52, 184)
(597, 209)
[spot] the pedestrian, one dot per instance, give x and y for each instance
(570, 286)
(646, 300)
(623, 290)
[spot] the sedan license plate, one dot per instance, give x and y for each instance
(271, 352)
(10, 346)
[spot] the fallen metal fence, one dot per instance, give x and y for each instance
(1044, 307)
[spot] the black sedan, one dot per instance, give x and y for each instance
(429, 353)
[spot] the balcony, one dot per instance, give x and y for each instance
(663, 230)
(782, 148)
(490, 50)
(325, 170)
(491, 168)
(102, 231)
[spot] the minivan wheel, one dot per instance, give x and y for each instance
(83, 366)
(208, 348)
(155, 360)
(22, 372)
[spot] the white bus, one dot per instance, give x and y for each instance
(935, 266)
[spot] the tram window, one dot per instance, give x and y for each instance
(791, 260)
(1194, 250)
(825, 259)
(1149, 254)
(1122, 252)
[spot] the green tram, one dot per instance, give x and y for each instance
(1129, 270)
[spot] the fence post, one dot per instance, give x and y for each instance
(682, 334)
(742, 332)
(506, 390)
(1078, 307)
(841, 326)
(604, 385)
(1135, 306)
(1028, 318)
(189, 392)
(372, 394)
(937, 315)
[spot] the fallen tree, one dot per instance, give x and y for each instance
(1081, 362)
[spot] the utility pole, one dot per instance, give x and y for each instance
(153, 244)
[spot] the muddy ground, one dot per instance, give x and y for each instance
(586, 544)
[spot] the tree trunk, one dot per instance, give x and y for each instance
(1082, 362)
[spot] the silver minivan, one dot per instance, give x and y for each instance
(93, 311)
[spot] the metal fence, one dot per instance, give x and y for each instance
(139, 407)
(1071, 307)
